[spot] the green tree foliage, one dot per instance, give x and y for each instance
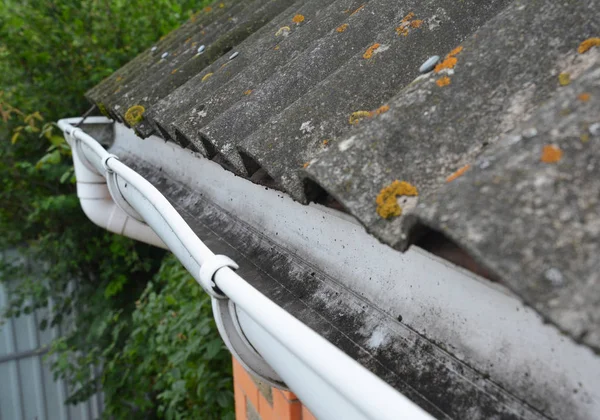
(51, 52)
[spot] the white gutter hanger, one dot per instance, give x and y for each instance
(282, 340)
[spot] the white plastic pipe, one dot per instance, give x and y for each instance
(96, 201)
(298, 354)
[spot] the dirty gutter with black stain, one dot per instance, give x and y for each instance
(329, 382)
(450, 341)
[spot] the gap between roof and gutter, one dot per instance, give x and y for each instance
(330, 383)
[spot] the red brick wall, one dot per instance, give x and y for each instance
(257, 401)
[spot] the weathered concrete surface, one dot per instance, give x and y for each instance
(188, 101)
(532, 218)
(295, 79)
(504, 74)
(325, 114)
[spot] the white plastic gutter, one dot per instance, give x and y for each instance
(329, 382)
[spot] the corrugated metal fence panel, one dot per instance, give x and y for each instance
(27, 387)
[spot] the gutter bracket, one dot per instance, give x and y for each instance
(209, 269)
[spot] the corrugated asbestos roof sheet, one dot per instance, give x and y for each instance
(498, 148)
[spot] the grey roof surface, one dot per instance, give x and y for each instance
(326, 96)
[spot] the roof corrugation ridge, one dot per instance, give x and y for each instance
(187, 96)
(296, 78)
(359, 90)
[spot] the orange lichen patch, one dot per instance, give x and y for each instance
(369, 53)
(443, 81)
(355, 117)
(564, 79)
(450, 60)
(402, 31)
(284, 30)
(382, 109)
(119, 78)
(207, 9)
(407, 23)
(325, 142)
(305, 165)
(455, 51)
(551, 154)
(298, 19)
(458, 173)
(584, 97)
(587, 44)
(342, 28)
(248, 92)
(387, 205)
(134, 115)
(408, 17)
(187, 40)
(174, 71)
(357, 10)
(207, 76)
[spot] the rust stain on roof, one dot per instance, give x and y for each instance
(587, 44)
(443, 81)
(551, 154)
(134, 115)
(458, 173)
(369, 53)
(387, 205)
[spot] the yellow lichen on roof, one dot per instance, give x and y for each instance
(458, 173)
(284, 30)
(119, 78)
(551, 154)
(134, 115)
(369, 53)
(387, 205)
(102, 109)
(584, 97)
(564, 79)
(357, 10)
(298, 19)
(587, 44)
(207, 76)
(356, 116)
(305, 165)
(342, 28)
(443, 81)
(248, 92)
(173, 71)
(221, 5)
